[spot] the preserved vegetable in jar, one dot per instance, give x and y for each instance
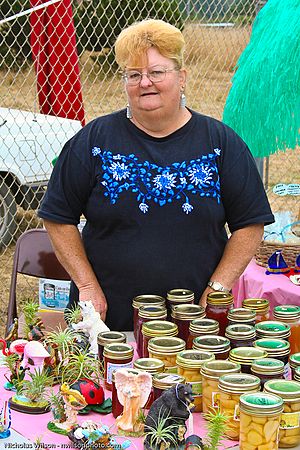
(261, 306)
(245, 356)
(289, 429)
(140, 300)
(189, 363)
(260, 415)
(267, 369)
(290, 314)
(108, 337)
(273, 329)
(241, 315)
(182, 315)
(217, 307)
(116, 356)
(201, 327)
(276, 348)
(166, 349)
(240, 335)
(218, 345)
(145, 314)
(156, 328)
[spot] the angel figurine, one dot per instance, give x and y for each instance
(133, 390)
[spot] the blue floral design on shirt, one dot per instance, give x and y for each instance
(162, 185)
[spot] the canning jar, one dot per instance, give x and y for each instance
(163, 381)
(211, 371)
(245, 356)
(152, 366)
(189, 363)
(289, 429)
(259, 421)
(297, 374)
(294, 361)
(290, 314)
(179, 297)
(166, 349)
(231, 387)
(182, 315)
(218, 345)
(117, 408)
(273, 329)
(201, 327)
(108, 337)
(276, 348)
(240, 335)
(217, 306)
(261, 306)
(156, 328)
(267, 369)
(116, 356)
(241, 315)
(145, 314)
(147, 299)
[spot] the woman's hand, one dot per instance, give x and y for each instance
(94, 293)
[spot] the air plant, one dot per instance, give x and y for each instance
(30, 310)
(73, 315)
(217, 426)
(81, 365)
(57, 405)
(160, 433)
(17, 374)
(63, 340)
(36, 388)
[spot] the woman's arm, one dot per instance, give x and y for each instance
(70, 252)
(239, 250)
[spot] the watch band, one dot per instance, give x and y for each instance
(216, 286)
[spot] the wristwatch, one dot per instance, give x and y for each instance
(216, 286)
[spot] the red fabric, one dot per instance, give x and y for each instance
(53, 46)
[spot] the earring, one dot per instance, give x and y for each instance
(182, 100)
(128, 112)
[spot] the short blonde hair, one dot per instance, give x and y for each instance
(133, 42)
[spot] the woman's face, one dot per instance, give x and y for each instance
(151, 96)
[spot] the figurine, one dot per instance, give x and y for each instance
(35, 351)
(165, 423)
(277, 264)
(74, 401)
(91, 324)
(16, 346)
(5, 421)
(133, 392)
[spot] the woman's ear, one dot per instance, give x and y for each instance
(182, 77)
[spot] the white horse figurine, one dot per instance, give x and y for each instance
(91, 324)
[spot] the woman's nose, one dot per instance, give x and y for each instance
(145, 80)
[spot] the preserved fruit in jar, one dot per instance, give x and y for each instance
(116, 356)
(273, 329)
(276, 348)
(166, 349)
(218, 345)
(182, 315)
(217, 306)
(241, 315)
(290, 314)
(163, 381)
(240, 335)
(245, 356)
(201, 327)
(261, 306)
(145, 314)
(267, 369)
(156, 328)
(294, 361)
(108, 337)
(140, 300)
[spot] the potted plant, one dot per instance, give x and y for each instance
(160, 435)
(33, 323)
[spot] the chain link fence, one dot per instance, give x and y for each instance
(216, 32)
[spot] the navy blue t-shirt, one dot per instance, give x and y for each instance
(155, 207)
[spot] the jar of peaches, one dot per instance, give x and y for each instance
(147, 299)
(200, 327)
(211, 371)
(241, 315)
(273, 329)
(189, 363)
(182, 315)
(294, 361)
(267, 369)
(166, 349)
(245, 356)
(163, 381)
(260, 415)
(261, 306)
(156, 328)
(290, 314)
(218, 345)
(217, 306)
(289, 429)
(152, 366)
(240, 335)
(145, 314)
(231, 387)
(276, 348)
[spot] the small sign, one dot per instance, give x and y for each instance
(282, 189)
(53, 294)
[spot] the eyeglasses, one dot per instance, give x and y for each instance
(154, 74)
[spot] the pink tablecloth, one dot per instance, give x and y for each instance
(254, 283)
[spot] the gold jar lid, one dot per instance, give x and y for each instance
(147, 299)
(188, 312)
(166, 380)
(150, 365)
(297, 374)
(294, 360)
(214, 369)
(153, 311)
(239, 383)
(108, 337)
(155, 328)
(118, 351)
(272, 328)
(239, 315)
(219, 298)
(206, 326)
(240, 332)
(246, 355)
(267, 366)
(261, 404)
(278, 347)
(212, 343)
(259, 305)
(288, 390)
(166, 345)
(286, 312)
(193, 359)
(180, 296)
(129, 369)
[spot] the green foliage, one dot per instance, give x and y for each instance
(159, 433)
(63, 339)
(57, 404)
(36, 388)
(73, 315)
(217, 426)
(30, 310)
(80, 365)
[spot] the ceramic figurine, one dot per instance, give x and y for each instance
(16, 346)
(74, 401)
(277, 264)
(133, 392)
(91, 324)
(35, 351)
(5, 421)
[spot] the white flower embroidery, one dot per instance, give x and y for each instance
(217, 151)
(164, 181)
(119, 171)
(104, 183)
(183, 180)
(143, 207)
(118, 156)
(200, 174)
(96, 151)
(187, 208)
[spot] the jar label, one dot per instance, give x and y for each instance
(289, 420)
(236, 414)
(111, 367)
(215, 399)
(171, 369)
(196, 388)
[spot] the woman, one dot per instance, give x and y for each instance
(156, 182)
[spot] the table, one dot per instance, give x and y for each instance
(254, 283)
